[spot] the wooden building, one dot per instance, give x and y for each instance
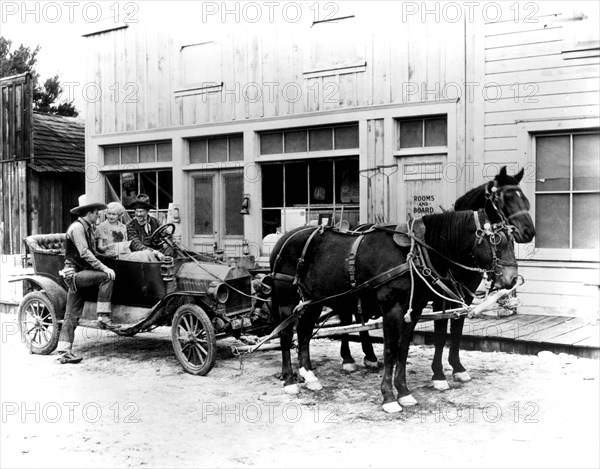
(365, 113)
(41, 169)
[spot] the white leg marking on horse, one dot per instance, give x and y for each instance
(291, 389)
(392, 407)
(440, 385)
(349, 367)
(312, 382)
(371, 365)
(462, 377)
(407, 401)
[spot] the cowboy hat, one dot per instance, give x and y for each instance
(86, 203)
(141, 201)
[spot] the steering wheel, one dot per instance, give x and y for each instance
(163, 234)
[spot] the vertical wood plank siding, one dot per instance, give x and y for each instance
(15, 142)
(148, 60)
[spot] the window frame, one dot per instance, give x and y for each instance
(137, 164)
(334, 207)
(160, 213)
(212, 164)
(569, 253)
(422, 150)
(285, 156)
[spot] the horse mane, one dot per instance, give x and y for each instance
(473, 198)
(447, 231)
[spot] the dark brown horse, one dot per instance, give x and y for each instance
(503, 200)
(379, 277)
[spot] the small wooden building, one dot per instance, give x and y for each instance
(42, 167)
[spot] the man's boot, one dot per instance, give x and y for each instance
(67, 357)
(105, 321)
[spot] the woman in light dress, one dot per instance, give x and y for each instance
(112, 237)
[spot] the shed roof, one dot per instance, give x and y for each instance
(58, 144)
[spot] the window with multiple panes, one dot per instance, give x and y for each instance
(217, 149)
(322, 188)
(124, 186)
(153, 152)
(422, 132)
(327, 189)
(341, 137)
(567, 190)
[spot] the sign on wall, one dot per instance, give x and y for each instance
(422, 188)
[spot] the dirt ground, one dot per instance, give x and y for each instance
(129, 404)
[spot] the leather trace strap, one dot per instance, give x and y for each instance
(300, 266)
(352, 260)
(275, 274)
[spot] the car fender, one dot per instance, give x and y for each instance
(55, 292)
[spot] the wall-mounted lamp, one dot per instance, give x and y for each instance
(245, 205)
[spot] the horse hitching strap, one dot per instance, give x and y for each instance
(278, 258)
(300, 266)
(352, 260)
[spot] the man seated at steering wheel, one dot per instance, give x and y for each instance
(141, 228)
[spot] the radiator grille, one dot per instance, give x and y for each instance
(236, 301)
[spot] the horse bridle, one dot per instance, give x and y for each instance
(496, 194)
(492, 231)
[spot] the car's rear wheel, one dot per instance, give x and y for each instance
(38, 323)
(194, 339)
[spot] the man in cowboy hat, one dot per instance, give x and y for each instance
(88, 272)
(141, 227)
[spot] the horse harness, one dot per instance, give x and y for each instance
(417, 259)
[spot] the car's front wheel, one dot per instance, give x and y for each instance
(194, 339)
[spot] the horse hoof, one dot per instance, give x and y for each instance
(371, 365)
(440, 385)
(392, 407)
(314, 385)
(349, 367)
(291, 389)
(462, 377)
(407, 401)
(312, 382)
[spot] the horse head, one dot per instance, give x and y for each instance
(494, 253)
(505, 196)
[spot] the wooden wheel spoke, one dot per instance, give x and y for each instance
(188, 353)
(186, 345)
(187, 326)
(193, 356)
(181, 333)
(202, 349)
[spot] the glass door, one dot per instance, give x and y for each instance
(216, 201)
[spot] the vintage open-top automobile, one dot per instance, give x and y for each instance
(197, 295)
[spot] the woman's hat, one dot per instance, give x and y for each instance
(86, 203)
(141, 201)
